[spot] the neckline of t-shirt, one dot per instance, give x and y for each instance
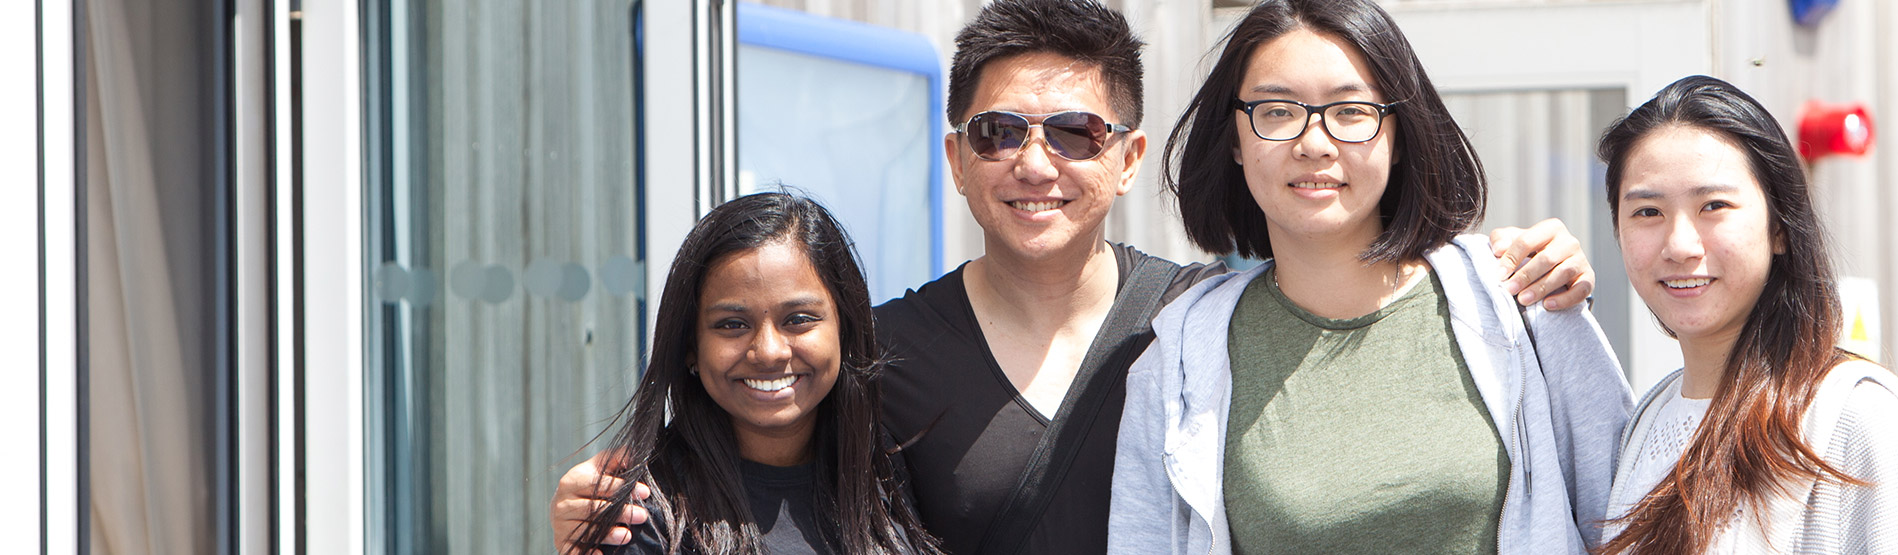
(1680, 397)
(1416, 291)
(988, 353)
(1123, 265)
(777, 475)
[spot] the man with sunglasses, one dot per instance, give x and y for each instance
(1008, 378)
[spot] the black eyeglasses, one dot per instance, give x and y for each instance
(997, 136)
(1284, 120)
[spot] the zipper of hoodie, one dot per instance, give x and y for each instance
(1522, 449)
(1167, 461)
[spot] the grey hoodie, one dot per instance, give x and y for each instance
(1559, 400)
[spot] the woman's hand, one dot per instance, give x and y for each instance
(581, 491)
(1544, 263)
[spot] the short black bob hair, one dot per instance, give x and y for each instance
(1083, 30)
(1436, 187)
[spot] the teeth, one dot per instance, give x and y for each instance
(1686, 283)
(771, 385)
(1037, 206)
(1311, 185)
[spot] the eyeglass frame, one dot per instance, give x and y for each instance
(1382, 111)
(1035, 121)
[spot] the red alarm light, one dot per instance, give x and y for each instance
(1828, 129)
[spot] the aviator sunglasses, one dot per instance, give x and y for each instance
(997, 136)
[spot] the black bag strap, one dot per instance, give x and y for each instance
(1130, 317)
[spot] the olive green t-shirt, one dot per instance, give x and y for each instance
(1364, 435)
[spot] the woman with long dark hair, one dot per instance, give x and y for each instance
(755, 423)
(1770, 438)
(1369, 388)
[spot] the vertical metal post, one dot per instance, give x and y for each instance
(714, 45)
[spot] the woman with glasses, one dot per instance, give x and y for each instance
(1770, 438)
(1369, 388)
(754, 428)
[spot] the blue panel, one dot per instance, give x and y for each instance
(1810, 12)
(838, 39)
(860, 43)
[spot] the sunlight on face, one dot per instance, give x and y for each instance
(1315, 185)
(768, 341)
(1037, 202)
(1695, 231)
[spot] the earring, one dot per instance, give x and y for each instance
(692, 369)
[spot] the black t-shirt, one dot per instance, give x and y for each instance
(781, 502)
(968, 463)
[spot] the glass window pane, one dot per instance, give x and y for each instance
(507, 259)
(1538, 149)
(854, 137)
(849, 114)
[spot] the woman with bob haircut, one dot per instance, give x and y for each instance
(755, 423)
(1369, 388)
(1770, 438)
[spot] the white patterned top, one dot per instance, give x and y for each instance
(1674, 423)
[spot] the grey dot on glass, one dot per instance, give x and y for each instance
(421, 287)
(499, 284)
(574, 282)
(621, 275)
(543, 277)
(392, 282)
(468, 279)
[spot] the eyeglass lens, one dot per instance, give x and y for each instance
(1072, 135)
(1351, 122)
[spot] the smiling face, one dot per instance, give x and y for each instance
(1313, 186)
(1695, 231)
(1037, 202)
(768, 344)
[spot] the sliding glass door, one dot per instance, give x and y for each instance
(503, 240)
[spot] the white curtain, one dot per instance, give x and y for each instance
(148, 432)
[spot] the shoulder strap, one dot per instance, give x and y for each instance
(1131, 316)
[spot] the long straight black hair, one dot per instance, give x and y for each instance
(691, 461)
(1750, 441)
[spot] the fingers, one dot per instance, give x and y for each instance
(1514, 247)
(609, 461)
(1501, 238)
(619, 536)
(595, 487)
(585, 480)
(1575, 294)
(1565, 278)
(570, 517)
(633, 515)
(1528, 256)
(571, 513)
(583, 490)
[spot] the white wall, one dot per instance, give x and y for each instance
(1849, 57)
(20, 333)
(1636, 47)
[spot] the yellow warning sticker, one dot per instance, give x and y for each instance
(1859, 298)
